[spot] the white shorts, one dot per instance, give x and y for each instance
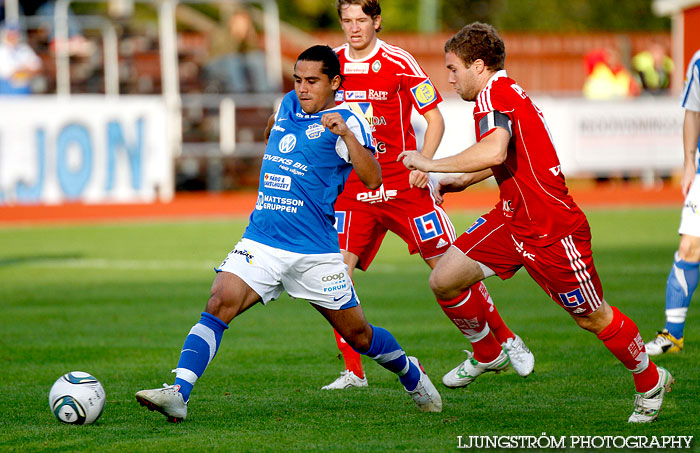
(322, 279)
(690, 215)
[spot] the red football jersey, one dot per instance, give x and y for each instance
(533, 195)
(384, 87)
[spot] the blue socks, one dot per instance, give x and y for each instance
(386, 352)
(682, 281)
(204, 339)
(198, 351)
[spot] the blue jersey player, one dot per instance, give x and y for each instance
(683, 278)
(291, 242)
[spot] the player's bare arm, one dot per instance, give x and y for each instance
(268, 127)
(363, 161)
(691, 132)
(489, 152)
(431, 141)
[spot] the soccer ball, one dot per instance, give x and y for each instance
(77, 398)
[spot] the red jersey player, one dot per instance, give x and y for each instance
(385, 83)
(535, 225)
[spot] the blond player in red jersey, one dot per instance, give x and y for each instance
(384, 83)
(536, 224)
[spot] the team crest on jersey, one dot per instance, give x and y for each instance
(287, 143)
(356, 68)
(314, 131)
(376, 66)
(280, 182)
(424, 93)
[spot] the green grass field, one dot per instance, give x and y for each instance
(118, 300)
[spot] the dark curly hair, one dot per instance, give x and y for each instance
(478, 41)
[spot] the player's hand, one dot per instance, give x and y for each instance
(413, 160)
(418, 179)
(449, 184)
(335, 123)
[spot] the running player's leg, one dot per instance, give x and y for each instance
(354, 374)
(231, 294)
(566, 271)
(359, 237)
(683, 278)
(483, 250)
(338, 303)
(428, 230)
(381, 346)
(522, 359)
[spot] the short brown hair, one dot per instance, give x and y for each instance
(478, 41)
(369, 7)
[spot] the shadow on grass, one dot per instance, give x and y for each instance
(25, 259)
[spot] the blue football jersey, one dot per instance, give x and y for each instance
(303, 171)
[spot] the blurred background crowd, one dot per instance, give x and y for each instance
(243, 51)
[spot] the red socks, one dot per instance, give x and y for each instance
(622, 338)
(352, 358)
(496, 324)
(468, 312)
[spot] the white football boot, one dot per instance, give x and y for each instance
(664, 342)
(647, 405)
(167, 400)
(465, 373)
(347, 379)
(521, 359)
(425, 395)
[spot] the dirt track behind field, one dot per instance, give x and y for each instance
(237, 204)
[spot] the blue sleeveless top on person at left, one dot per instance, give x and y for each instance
(303, 171)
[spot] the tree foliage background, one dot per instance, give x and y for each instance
(514, 15)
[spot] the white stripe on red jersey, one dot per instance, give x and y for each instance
(534, 199)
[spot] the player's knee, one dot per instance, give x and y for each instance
(689, 249)
(215, 304)
(445, 288)
(222, 306)
(597, 321)
(359, 339)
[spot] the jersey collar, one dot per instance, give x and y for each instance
(497, 75)
(374, 51)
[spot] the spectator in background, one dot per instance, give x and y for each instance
(607, 77)
(653, 67)
(238, 63)
(78, 45)
(18, 62)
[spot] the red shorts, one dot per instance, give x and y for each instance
(412, 215)
(564, 269)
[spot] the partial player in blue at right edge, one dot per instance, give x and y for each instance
(683, 278)
(291, 243)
